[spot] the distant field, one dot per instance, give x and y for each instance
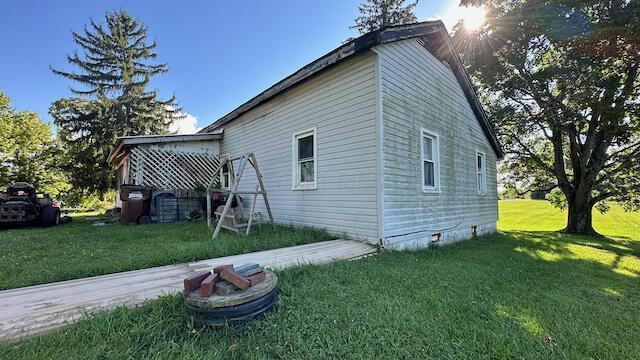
(540, 215)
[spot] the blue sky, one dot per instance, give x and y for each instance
(221, 53)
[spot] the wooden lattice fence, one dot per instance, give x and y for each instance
(163, 169)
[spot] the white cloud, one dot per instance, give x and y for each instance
(187, 124)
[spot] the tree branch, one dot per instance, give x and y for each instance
(602, 196)
(532, 190)
(532, 155)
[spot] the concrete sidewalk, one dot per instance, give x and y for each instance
(37, 309)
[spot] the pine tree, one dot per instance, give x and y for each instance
(376, 14)
(113, 99)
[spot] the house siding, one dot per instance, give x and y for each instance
(340, 103)
(418, 91)
(211, 147)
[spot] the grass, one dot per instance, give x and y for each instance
(84, 214)
(531, 215)
(522, 294)
(31, 256)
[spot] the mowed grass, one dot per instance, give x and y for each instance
(31, 256)
(532, 215)
(522, 294)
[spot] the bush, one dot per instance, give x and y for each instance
(539, 194)
(89, 201)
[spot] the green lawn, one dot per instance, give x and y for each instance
(532, 215)
(523, 294)
(31, 256)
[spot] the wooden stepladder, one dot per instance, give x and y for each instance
(226, 214)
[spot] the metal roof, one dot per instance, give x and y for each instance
(125, 142)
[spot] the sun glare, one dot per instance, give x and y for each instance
(472, 17)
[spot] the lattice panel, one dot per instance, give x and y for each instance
(162, 169)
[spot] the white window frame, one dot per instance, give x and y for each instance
(481, 174)
(295, 173)
(222, 174)
(435, 142)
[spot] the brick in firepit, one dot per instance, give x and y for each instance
(208, 284)
(219, 269)
(252, 271)
(192, 282)
(257, 278)
(245, 267)
(239, 281)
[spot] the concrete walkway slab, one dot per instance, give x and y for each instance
(37, 309)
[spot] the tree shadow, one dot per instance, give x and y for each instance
(546, 245)
(580, 280)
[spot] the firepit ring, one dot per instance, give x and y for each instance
(235, 308)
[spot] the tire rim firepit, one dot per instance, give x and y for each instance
(230, 295)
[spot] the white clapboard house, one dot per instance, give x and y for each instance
(382, 139)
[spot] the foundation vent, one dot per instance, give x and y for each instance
(435, 238)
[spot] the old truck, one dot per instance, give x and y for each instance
(23, 205)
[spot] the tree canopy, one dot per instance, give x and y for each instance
(560, 80)
(115, 67)
(376, 14)
(28, 151)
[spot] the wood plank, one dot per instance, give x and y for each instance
(37, 309)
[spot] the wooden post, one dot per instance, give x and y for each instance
(253, 209)
(254, 163)
(209, 188)
(232, 178)
(235, 178)
(235, 194)
(208, 193)
(227, 205)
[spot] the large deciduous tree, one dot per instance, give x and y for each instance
(376, 14)
(113, 99)
(561, 81)
(28, 152)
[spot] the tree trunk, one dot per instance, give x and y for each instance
(580, 220)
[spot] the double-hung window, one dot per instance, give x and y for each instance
(481, 173)
(305, 163)
(225, 178)
(430, 161)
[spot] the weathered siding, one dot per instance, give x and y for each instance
(418, 91)
(341, 104)
(211, 147)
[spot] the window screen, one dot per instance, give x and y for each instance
(305, 147)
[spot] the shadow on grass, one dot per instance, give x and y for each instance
(613, 253)
(577, 295)
(518, 295)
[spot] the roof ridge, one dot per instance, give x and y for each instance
(433, 28)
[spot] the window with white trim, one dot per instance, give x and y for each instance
(304, 160)
(225, 177)
(430, 161)
(481, 173)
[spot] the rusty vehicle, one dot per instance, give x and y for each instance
(23, 205)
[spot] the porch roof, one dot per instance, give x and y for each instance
(124, 143)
